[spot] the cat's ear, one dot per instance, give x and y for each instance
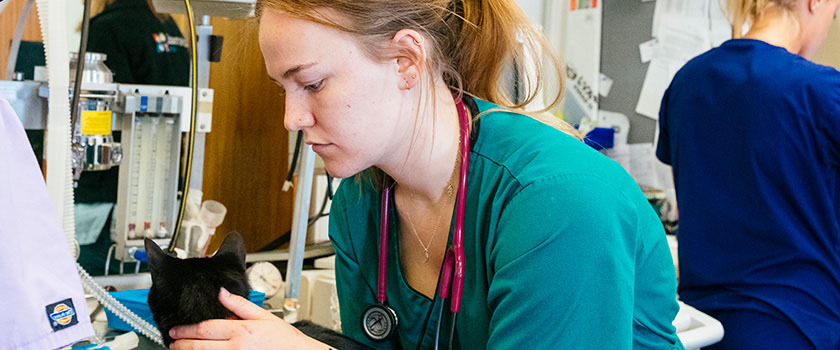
(155, 255)
(233, 245)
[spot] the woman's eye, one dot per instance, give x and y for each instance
(315, 87)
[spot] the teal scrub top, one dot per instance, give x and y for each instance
(562, 251)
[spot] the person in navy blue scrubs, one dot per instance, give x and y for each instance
(752, 130)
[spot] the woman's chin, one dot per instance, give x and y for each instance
(339, 170)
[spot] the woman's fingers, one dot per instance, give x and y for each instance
(190, 344)
(242, 307)
(208, 330)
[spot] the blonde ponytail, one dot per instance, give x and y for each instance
(743, 12)
(499, 34)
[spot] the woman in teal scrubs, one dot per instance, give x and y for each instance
(562, 250)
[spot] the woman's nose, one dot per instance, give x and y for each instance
(297, 115)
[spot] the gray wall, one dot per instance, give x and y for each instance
(626, 24)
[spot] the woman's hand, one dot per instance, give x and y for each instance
(256, 329)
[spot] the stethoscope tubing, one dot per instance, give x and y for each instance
(452, 271)
(383, 241)
(455, 254)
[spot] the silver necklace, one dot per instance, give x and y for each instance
(437, 223)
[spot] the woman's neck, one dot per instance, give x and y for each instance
(425, 162)
(779, 28)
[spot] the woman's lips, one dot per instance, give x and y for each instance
(320, 147)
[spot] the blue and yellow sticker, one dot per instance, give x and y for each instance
(61, 314)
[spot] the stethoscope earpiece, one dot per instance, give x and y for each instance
(379, 322)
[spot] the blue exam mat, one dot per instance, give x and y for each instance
(136, 301)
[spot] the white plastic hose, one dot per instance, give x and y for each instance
(119, 309)
(60, 188)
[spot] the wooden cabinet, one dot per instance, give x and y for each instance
(246, 157)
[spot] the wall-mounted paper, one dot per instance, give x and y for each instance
(678, 42)
(605, 85)
(689, 12)
(646, 50)
(583, 61)
(721, 29)
(642, 167)
(656, 82)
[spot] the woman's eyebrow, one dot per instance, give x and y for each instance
(297, 69)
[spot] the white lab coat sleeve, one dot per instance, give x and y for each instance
(42, 305)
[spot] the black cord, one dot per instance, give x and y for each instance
(286, 237)
(329, 186)
(80, 67)
(295, 156)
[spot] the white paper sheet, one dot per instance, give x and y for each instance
(642, 167)
(605, 85)
(690, 12)
(653, 88)
(646, 50)
(721, 29)
(678, 42)
(583, 57)
(681, 40)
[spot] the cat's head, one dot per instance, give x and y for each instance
(186, 291)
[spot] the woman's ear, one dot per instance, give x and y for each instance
(411, 60)
(813, 5)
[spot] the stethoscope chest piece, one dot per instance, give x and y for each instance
(379, 322)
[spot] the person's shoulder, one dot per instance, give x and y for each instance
(114, 18)
(122, 15)
(533, 151)
(824, 79)
(106, 19)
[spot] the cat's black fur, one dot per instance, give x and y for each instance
(185, 291)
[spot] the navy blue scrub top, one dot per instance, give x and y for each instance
(753, 134)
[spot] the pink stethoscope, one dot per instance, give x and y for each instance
(379, 321)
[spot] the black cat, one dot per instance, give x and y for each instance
(185, 291)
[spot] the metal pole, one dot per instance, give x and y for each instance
(203, 51)
(300, 223)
